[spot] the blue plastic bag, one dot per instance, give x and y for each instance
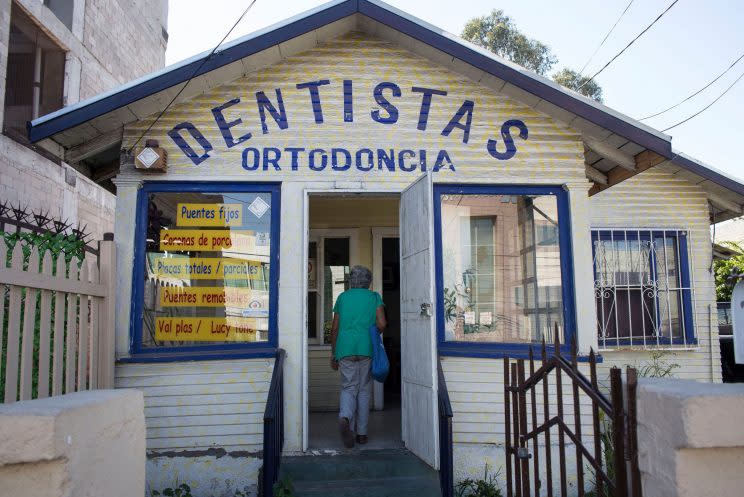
(380, 363)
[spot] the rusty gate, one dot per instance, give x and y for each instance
(539, 428)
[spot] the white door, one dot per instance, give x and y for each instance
(418, 336)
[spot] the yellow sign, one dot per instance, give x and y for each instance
(212, 240)
(207, 268)
(212, 296)
(209, 215)
(231, 329)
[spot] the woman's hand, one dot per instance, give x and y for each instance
(334, 364)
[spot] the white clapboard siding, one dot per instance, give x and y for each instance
(553, 152)
(324, 383)
(658, 199)
(476, 390)
(202, 405)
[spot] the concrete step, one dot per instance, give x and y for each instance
(369, 473)
(408, 486)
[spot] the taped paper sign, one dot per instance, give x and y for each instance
(231, 329)
(211, 240)
(212, 296)
(209, 215)
(207, 268)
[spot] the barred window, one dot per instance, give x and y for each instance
(642, 287)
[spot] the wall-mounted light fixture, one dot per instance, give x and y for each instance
(151, 157)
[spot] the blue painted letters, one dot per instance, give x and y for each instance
(279, 116)
(383, 102)
(425, 104)
(175, 135)
(511, 149)
(315, 97)
(466, 109)
(225, 126)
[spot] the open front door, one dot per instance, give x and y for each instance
(418, 336)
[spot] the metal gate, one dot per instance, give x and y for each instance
(544, 437)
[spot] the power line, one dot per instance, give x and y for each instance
(193, 75)
(696, 93)
(707, 106)
(628, 45)
(606, 36)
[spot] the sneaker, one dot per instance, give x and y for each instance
(362, 439)
(346, 434)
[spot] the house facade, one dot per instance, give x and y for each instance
(495, 209)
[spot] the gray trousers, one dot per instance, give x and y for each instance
(356, 390)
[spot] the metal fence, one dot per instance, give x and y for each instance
(544, 437)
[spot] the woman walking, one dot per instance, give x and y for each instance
(355, 311)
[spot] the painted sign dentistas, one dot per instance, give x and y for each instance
(195, 145)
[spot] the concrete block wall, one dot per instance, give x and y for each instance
(28, 179)
(690, 441)
(79, 444)
(109, 43)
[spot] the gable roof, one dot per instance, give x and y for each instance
(84, 121)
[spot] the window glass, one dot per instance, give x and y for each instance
(501, 268)
(35, 77)
(336, 257)
(639, 290)
(207, 269)
(312, 290)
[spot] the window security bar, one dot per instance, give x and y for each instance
(643, 288)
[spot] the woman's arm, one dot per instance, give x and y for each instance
(334, 335)
(380, 319)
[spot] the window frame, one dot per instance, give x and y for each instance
(686, 300)
(504, 349)
(206, 351)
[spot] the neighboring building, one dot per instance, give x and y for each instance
(491, 204)
(54, 53)
(730, 231)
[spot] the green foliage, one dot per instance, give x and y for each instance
(70, 246)
(485, 487)
(607, 442)
(657, 366)
(450, 305)
(498, 33)
(576, 82)
(728, 271)
(181, 490)
(284, 488)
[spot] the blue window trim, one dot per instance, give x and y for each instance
(498, 350)
(681, 251)
(201, 352)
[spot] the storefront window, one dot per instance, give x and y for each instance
(207, 269)
(501, 272)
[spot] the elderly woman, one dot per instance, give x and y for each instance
(355, 311)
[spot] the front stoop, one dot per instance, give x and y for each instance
(373, 473)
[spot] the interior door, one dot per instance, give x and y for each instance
(418, 336)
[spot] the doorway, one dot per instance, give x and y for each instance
(346, 230)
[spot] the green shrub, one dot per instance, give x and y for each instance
(485, 487)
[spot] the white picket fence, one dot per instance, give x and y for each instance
(74, 322)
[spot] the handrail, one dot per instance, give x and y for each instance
(446, 469)
(273, 434)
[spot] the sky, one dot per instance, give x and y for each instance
(692, 44)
